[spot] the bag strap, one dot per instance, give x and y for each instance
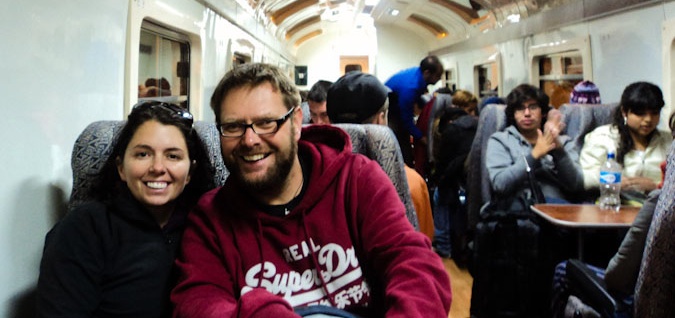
(537, 194)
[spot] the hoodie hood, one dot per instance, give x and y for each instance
(466, 122)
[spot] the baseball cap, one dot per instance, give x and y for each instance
(355, 97)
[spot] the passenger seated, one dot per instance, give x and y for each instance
(316, 100)
(585, 92)
(523, 145)
(154, 88)
(360, 98)
(114, 257)
(640, 147)
(621, 273)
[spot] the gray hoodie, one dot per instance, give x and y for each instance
(509, 154)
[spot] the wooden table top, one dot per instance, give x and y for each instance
(586, 215)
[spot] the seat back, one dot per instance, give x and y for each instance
(96, 142)
(656, 282)
(379, 143)
(491, 120)
(582, 118)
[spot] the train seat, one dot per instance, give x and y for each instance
(653, 293)
(656, 282)
(379, 143)
(95, 143)
(490, 120)
(582, 118)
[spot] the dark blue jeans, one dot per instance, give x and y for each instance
(442, 198)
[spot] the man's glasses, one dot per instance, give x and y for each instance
(261, 127)
(175, 110)
(532, 107)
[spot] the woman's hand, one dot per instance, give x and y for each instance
(642, 184)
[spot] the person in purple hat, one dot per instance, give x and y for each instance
(585, 92)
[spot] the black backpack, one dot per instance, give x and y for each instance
(509, 265)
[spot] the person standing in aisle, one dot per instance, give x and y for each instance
(408, 85)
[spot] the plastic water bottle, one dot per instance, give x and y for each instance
(610, 184)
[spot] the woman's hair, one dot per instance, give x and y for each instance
(201, 181)
(466, 101)
(638, 98)
(520, 95)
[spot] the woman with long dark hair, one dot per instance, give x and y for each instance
(114, 256)
(639, 146)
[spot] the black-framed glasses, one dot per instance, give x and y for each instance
(176, 111)
(532, 107)
(260, 127)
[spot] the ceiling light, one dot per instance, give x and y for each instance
(513, 18)
(394, 12)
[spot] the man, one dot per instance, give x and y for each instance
(408, 85)
(316, 98)
(530, 140)
(299, 223)
(360, 98)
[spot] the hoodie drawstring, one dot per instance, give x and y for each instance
(314, 259)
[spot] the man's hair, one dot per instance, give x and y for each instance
(521, 94)
(254, 75)
(431, 63)
(319, 91)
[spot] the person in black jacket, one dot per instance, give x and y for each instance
(457, 129)
(113, 257)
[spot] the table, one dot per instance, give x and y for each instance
(585, 216)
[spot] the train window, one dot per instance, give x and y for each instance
(163, 65)
(558, 73)
(486, 79)
(449, 79)
(557, 67)
(239, 59)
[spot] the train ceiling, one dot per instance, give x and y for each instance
(439, 22)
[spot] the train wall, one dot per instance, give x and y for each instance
(633, 45)
(67, 64)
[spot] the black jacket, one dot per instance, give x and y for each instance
(109, 260)
(455, 145)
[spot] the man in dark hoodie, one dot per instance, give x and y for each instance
(301, 222)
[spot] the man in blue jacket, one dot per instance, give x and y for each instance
(408, 85)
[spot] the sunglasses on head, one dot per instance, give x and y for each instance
(176, 111)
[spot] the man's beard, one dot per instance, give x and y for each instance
(276, 175)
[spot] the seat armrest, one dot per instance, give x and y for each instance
(591, 289)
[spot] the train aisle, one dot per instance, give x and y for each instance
(461, 282)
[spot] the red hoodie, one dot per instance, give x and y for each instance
(347, 244)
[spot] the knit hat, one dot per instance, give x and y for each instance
(585, 93)
(355, 97)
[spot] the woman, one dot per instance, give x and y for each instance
(640, 147)
(623, 268)
(113, 257)
(532, 141)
